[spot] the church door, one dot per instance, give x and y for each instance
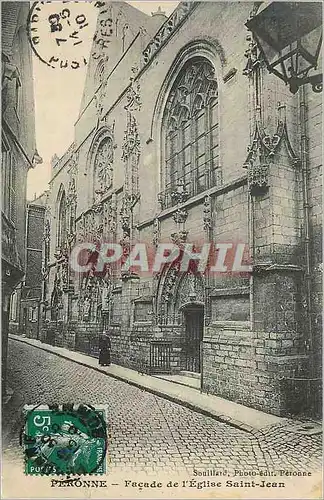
(194, 324)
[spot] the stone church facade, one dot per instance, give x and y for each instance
(183, 136)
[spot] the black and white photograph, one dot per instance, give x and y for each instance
(161, 249)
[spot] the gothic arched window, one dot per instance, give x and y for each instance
(191, 131)
(61, 228)
(103, 167)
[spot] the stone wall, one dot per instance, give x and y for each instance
(314, 126)
(247, 366)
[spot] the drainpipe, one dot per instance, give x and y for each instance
(251, 241)
(255, 102)
(309, 341)
(38, 319)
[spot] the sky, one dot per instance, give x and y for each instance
(58, 93)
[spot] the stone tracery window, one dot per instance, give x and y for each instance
(103, 167)
(191, 131)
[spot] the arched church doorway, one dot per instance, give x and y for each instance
(193, 336)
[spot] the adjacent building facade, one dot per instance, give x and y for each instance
(26, 300)
(184, 137)
(18, 151)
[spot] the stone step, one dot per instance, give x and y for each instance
(190, 374)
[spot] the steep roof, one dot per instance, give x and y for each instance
(9, 24)
(127, 21)
(40, 201)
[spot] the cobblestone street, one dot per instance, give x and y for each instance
(147, 433)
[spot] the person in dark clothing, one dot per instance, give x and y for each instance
(105, 348)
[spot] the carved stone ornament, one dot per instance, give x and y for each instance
(125, 215)
(71, 153)
(252, 52)
(65, 275)
(71, 187)
(113, 219)
(252, 55)
(179, 194)
(109, 217)
(74, 159)
(61, 253)
(97, 221)
(97, 208)
(62, 269)
(176, 289)
(125, 244)
(98, 101)
(196, 87)
(169, 283)
(71, 199)
(142, 31)
(56, 297)
(167, 28)
(133, 94)
(207, 214)
(179, 238)
(156, 232)
(258, 179)
(180, 215)
(90, 296)
(103, 170)
(80, 229)
(131, 142)
(47, 232)
(262, 150)
(191, 289)
(91, 227)
(130, 156)
(45, 273)
(86, 308)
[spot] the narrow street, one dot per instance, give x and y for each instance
(147, 433)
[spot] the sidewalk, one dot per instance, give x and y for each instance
(234, 414)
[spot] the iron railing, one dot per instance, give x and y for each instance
(160, 357)
(169, 319)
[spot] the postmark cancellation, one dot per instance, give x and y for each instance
(64, 439)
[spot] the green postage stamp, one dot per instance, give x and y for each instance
(65, 439)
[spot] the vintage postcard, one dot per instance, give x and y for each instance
(161, 249)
